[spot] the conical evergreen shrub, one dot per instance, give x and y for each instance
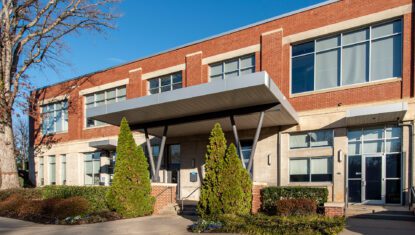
(210, 206)
(236, 184)
(130, 192)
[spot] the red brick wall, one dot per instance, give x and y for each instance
(274, 58)
(333, 211)
(256, 198)
(165, 194)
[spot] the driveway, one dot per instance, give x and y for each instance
(171, 224)
(378, 227)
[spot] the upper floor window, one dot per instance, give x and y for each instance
(233, 67)
(166, 83)
(368, 54)
(312, 139)
(103, 97)
(55, 117)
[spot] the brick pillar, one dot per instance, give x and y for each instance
(333, 209)
(136, 86)
(165, 195)
(194, 69)
(271, 54)
(256, 196)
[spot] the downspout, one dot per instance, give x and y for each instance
(279, 158)
(410, 155)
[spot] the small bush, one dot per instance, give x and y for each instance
(10, 205)
(69, 207)
(270, 195)
(301, 206)
(25, 193)
(94, 195)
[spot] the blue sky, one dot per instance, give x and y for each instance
(148, 27)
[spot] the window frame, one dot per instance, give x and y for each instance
(117, 98)
(223, 73)
(41, 171)
(64, 117)
(171, 84)
(309, 167)
(309, 143)
(63, 169)
(370, 40)
(51, 165)
(93, 168)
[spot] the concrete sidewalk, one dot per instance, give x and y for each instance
(152, 225)
(378, 227)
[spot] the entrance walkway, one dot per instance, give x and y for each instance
(378, 227)
(171, 224)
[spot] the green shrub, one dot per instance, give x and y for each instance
(26, 193)
(261, 224)
(93, 194)
(270, 195)
(130, 192)
(297, 206)
(72, 206)
(210, 205)
(236, 185)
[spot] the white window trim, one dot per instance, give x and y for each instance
(159, 81)
(231, 54)
(162, 72)
(92, 161)
(104, 87)
(227, 60)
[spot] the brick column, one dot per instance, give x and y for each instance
(333, 209)
(194, 69)
(271, 54)
(136, 86)
(256, 196)
(165, 195)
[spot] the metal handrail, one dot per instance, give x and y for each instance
(184, 198)
(411, 196)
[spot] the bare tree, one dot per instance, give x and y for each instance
(21, 138)
(31, 33)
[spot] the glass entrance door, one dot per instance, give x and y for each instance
(373, 180)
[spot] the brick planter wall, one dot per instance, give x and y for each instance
(256, 196)
(332, 209)
(164, 193)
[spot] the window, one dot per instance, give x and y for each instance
(103, 97)
(63, 169)
(111, 168)
(367, 54)
(233, 67)
(55, 117)
(41, 171)
(313, 139)
(311, 169)
(52, 170)
(246, 147)
(165, 83)
(92, 168)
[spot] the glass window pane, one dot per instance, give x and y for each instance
(154, 91)
(321, 138)
(355, 190)
(177, 77)
(327, 43)
(386, 58)
(393, 191)
(91, 105)
(231, 65)
(121, 91)
(299, 170)
(165, 88)
(355, 167)
(302, 74)
(303, 48)
(327, 69)
(216, 78)
(215, 69)
(59, 121)
(387, 29)
(393, 132)
(154, 83)
(321, 165)
(100, 96)
(393, 146)
(354, 135)
(356, 36)
(371, 134)
(354, 148)
(110, 101)
(373, 146)
(97, 166)
(89, 99)
(231, 74)
(299, 140)
(393, 166)
(120, 98)
(88, 167)
(355, 64)
(90, 122)
(248, 61)
(177, 86)
(110, 94)
(247, 71)
(165, 81)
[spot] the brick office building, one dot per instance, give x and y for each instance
(323, 96)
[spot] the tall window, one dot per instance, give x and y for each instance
(165, 83)
(312, 139)
(233, 67)
(52, 170)
(63, 169)
(41, 171)
(364, 55)
(55, 117)
(311, 169)
(92, 166)
(103, 97)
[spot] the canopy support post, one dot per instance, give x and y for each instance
(150, 154)
(254, 144)
(160, 157)
(238, 143)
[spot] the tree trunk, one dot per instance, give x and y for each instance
(8, 169)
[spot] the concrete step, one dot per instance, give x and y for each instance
(387, 216)
(380, 212)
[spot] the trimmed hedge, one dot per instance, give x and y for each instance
(270, 196)
(297, 206)
(26, 193)
(93, 194)
(262, 224)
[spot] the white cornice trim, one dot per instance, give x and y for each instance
(164, 71)
(104, 87)
(54, 99)
(348, 24)
(194, 53)
(134, 70)
(271, 32)
(231, 54)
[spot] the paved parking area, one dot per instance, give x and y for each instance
(378, 227)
